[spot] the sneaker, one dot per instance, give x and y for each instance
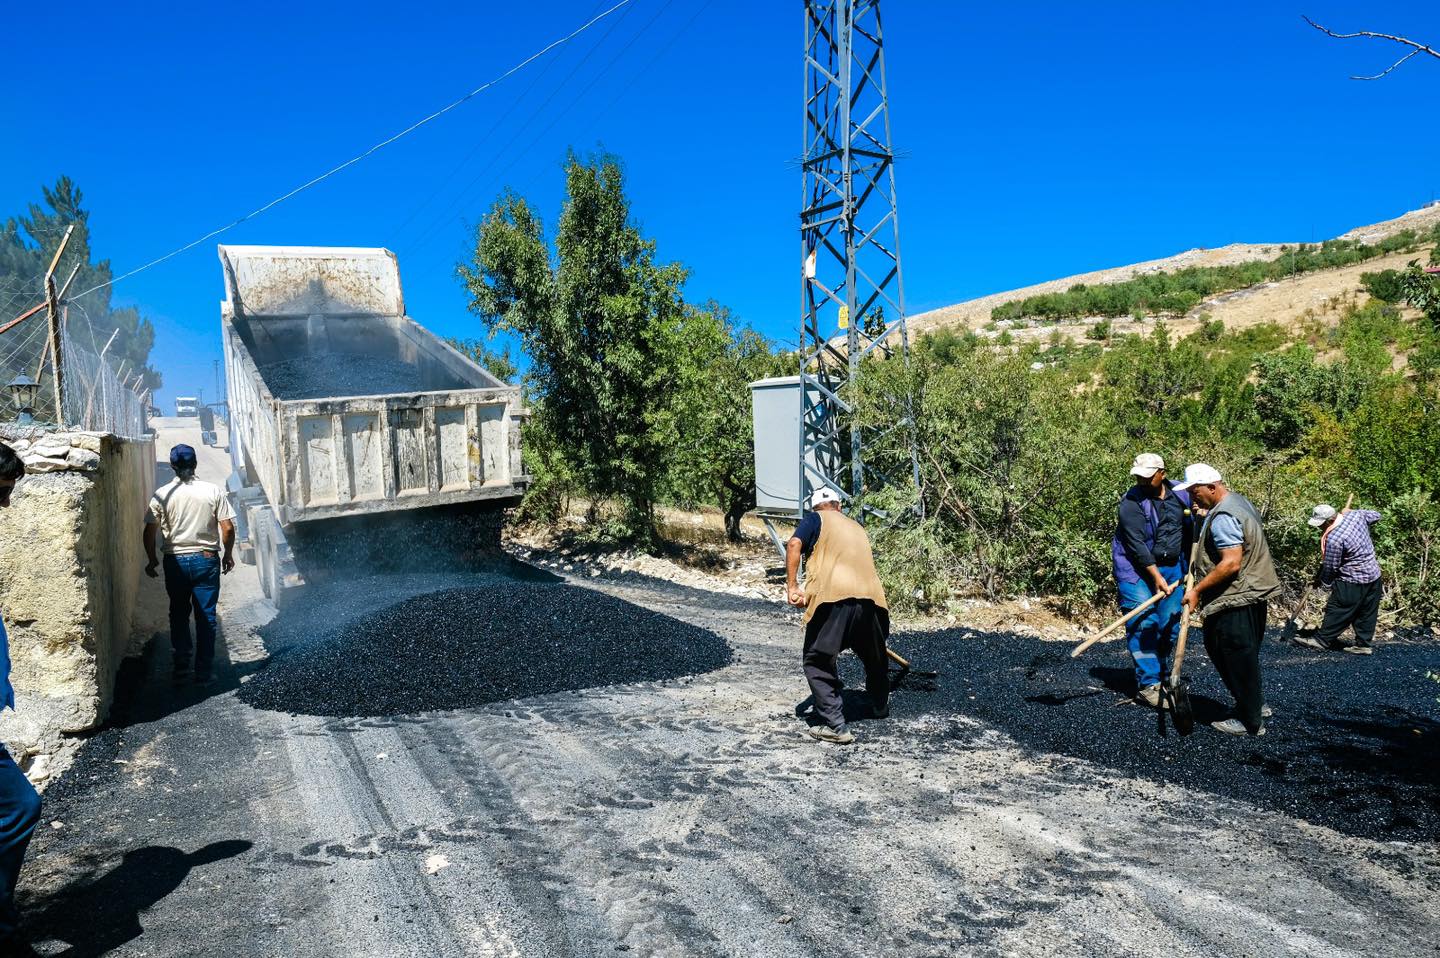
(1234, 726)
(1310, 642)
(880, 713)
(1358, 649)
(1149, 695)
(836, 736)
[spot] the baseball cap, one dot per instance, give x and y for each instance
(182, 456)
(1146, 465)
(824, 494)
(1199, 473)
(1320, 515)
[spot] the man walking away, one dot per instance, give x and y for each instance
(1235, 579)
(844, 609)
(194, 517)
(19, 803)
(1148, 553)
(1349, 569)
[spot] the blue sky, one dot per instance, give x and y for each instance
(1038, 139)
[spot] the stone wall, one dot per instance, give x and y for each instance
(71, 564)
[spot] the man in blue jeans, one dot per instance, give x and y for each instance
(19, 804)
(1153, 532)
(195, 519)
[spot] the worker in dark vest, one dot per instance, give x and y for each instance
(844, 609)
(1148, 554)
(1349, 569)
(1234, 580)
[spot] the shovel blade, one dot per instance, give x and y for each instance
(1180, 711)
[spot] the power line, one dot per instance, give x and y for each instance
(356, 159)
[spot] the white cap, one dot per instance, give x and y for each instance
(1199, 473)
(1146, 465)
(824, 494)
(1321, 514)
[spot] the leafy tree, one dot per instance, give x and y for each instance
(601, 323)
(500, 364)
(27, 244)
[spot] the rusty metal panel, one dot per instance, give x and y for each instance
(363, 459)
(408, 428)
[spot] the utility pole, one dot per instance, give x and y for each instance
(851, 282)
(52, 316)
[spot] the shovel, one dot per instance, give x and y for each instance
(1075, 652)
(905, 668)
(1176, 692)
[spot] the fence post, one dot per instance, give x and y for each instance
(52, 314)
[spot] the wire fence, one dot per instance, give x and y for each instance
(94, 397)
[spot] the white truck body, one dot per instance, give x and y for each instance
(454, 439)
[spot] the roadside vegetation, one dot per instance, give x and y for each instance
(641, 398)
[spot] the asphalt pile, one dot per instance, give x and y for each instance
(466, 647)
(1354, 743)
(330, 375)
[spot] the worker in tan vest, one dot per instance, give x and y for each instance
(844, 609)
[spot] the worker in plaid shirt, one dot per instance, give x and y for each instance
(1349, 568)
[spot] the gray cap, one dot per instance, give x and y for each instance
(1321, 514)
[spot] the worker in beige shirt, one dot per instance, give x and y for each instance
(195, 519)
(844, 609)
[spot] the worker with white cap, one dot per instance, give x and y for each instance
(1234, 580)
(1349, 569)
(845, 608)
(1148, 553)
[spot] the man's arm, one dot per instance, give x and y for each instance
(227, 537)
(1132, 537)
(793, 550)
(1226, 569)
(151, 529)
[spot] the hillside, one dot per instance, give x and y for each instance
(1288, 302)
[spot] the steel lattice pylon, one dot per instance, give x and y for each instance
(850, 244)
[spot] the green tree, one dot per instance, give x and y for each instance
(27, 244)
(601, 323)
(498, 364)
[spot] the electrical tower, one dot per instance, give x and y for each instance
(853, 300)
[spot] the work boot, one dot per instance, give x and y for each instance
(1310, 642)
(1358, 649)
(835, 736)
(1150, 695)
(203, 675)
(180, 670)
(1233, 726)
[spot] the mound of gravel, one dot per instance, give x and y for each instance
(1352, 744)
(329, 375)
(465, 647)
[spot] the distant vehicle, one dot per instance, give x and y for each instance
(187, 406)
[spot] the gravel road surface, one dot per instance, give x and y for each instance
(688, 815)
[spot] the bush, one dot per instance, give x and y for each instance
(1100, 332)
(1388, 285)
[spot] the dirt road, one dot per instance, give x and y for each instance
(682, 817)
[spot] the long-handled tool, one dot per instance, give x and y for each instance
(906, 668)
(1139, 609)
(1175, 694)
(1292, 624)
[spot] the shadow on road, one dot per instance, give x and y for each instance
(94, 916)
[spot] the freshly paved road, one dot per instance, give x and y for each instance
(683, 817)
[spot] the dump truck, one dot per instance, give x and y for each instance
(342, 406)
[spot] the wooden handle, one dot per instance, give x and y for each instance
(896, 656)
(1184, 619)
(1074, 653)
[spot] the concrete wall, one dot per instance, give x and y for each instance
(71, 565)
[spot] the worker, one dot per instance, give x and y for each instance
(19, 803)
(196, 520)
(1349, 569)
(845, 608)
(1234, 580)
(1148, 554)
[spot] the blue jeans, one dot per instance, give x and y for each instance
(192, 580)
(19, 811)
(1152, 635)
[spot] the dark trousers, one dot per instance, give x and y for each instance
(1351, 603)
(1232, 639)
(192, 580)
(856, 624)
(19, 812)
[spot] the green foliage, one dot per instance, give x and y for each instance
(1167, 293)
(1387, 285)
(1101, 331)
(602, 325)
(28, 243)
(498, 364)
(1422, 291)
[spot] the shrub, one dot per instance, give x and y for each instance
(1388, 285)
